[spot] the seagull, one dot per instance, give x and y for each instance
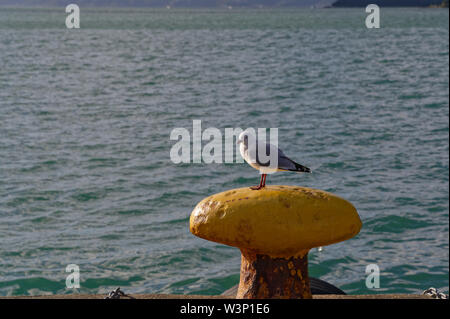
(249, 146)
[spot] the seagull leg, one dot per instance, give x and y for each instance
(262, 183)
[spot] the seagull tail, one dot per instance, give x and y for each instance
(300, 168)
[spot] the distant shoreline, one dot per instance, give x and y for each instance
(225, 4)
(6, 6)
(390, 3)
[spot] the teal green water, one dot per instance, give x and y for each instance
(86, 115)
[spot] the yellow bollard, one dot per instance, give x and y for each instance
(274, 228)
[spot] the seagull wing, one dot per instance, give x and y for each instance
(286, 164)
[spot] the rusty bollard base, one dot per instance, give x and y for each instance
(264, 277)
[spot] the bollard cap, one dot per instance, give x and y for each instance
(279, 221)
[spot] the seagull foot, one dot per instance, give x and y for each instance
(262, 183)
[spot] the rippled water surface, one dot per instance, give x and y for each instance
(86, 115)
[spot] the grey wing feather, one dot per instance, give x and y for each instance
(284, 162)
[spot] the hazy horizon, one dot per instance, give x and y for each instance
(170, 3)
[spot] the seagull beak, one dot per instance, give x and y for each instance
(239, 142)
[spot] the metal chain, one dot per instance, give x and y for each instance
(434, 293)
(117, 293)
